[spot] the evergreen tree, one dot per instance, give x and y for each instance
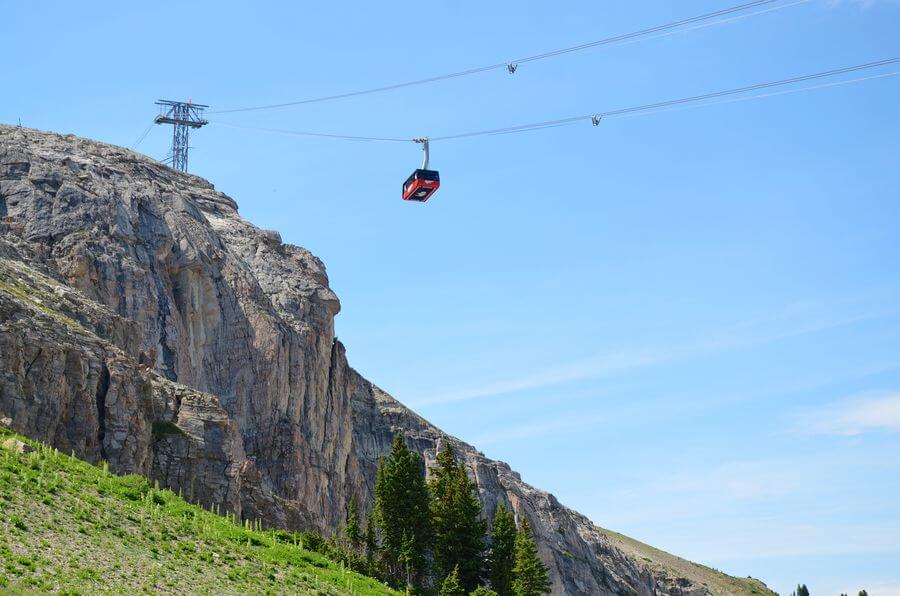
(370, 543)
(529, 574)
(503, 551)
(482, 591)
(408, 558)
(863, 593)
(402, 516)
(451, 586)
(459, 528)
(351, 528)
(802, 590)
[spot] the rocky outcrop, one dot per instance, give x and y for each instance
(145, 323)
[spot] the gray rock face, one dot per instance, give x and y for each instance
(143, 322)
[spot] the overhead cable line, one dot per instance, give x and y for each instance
(672, 102)
(596, 117)
(513, 64)
(143, 135)
(659, 28)
(301, 133)
(765, 95)
(704, 25)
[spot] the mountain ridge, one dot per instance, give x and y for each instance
(144, 290)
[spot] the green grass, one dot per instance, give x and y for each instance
(665, 565)
(67, 526)
(31, 296)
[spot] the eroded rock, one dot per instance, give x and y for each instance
(145, 323)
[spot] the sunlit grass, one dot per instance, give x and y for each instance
(68, 526)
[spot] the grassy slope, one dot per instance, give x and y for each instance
(68, 526)
(662, 563)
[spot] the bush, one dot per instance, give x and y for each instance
(161, 428)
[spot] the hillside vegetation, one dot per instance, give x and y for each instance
(68, 526)
(663, 565)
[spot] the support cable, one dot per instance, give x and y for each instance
(673, 102)
(596, 117)
(512, 65)
(143, 136)
(302, 133)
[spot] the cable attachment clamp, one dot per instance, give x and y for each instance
(596, 118)
(511, 67)
(424, 142)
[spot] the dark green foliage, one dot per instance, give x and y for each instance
(529, 574)
(18, 523)
(450, 586)
(370, 545)
(409, 558)
(503, 551)
(802, 590)
(482, 591)
(351, 529)
(162, 428)
(313, 541)
(863, 593)
(456, 515)
(402, 514)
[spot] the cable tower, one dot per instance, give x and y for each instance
(183, 116)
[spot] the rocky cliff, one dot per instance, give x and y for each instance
(144, 322)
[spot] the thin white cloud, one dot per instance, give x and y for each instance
(599, 365)
(537, 429)
(734, 514)
(742, 539)
(703, 491)
(749, 509)
(855, 416)
(865, 4)
(606, 364)
(738, 481)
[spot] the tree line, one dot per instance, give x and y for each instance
(802, 590)
(431, 537)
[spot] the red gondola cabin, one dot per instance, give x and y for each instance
(421, 185)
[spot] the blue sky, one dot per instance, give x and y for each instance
(685, 325)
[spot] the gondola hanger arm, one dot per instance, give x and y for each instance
(424, 142)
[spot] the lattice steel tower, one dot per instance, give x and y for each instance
(183, 116)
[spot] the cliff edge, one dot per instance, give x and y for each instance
(145, 323)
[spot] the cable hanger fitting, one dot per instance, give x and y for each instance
(424, 142)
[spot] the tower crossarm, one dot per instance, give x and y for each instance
(183, 116)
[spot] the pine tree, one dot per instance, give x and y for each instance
(451, 585)
(402, 514)
(503, 551)
(351, 529)
(482, 591)
(802, 590)
(459, 528)
(370, 543)
(863, 593)
(529, 574)
(408, 558)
